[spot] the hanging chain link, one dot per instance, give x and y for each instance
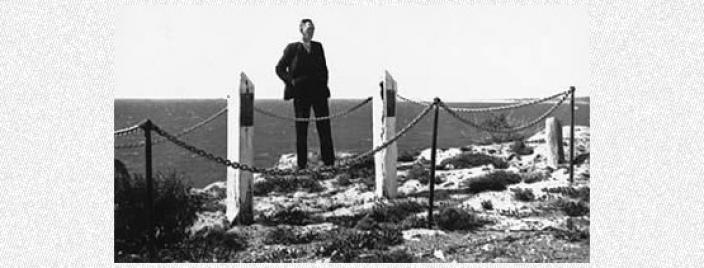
(505, 130)
(398, 135)
(490, 109)
(417, 102)
(297, 119)
(127, 131)
(340, 165)
(183, 132)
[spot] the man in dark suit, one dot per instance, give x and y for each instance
(305, 74)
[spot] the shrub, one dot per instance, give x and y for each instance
(286, 236)
(347, 244)
(500, 121)
(347, 221)
(457, 219)
(519, 147)
(286, 184)
(487, 205)
(407, 156)
(395, 211)
(533, 177)
(525, 195)
(412, 221)
(363, 169)
(379, 256)
(581, 193)
(287, 216)
(470, 160)
(367, 223)
(276, 255)
(214, 246)
(575, 209)
(174, 210)
(494, 181)
(418, 172)
(342, 180)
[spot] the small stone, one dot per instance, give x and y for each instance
(438, 254)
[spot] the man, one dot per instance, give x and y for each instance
(305, 74)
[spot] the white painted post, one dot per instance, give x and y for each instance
(384, 123)
(240, 148)
(553, 140)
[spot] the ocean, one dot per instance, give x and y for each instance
(274, 137)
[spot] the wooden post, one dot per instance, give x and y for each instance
(149, 202)
(572, 89)
(433, 152)
(553, 139)
(240, 148)
(384, 128)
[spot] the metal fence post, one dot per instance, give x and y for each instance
(572, 89)
(432, 164)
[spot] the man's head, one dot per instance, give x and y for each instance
(307, 29)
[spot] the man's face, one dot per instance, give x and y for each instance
(307, 29)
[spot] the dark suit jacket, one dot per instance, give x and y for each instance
(305, 74)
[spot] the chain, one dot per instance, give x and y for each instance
(421, 103)
(183, 132)
(511, 106)
(127, 131)
(400, 134)
(340, 165)
(490, 109)
(218, 159)
(297, 119)
(508, 130)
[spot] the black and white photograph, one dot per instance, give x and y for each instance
(365, 134)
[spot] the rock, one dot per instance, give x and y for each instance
(215, 190)
(409, 187)
(416, 234)
(314, 229)
(207, 222)
(340, 212)
(290, 160)
(440, 155)
(438, 254)
(300, 195)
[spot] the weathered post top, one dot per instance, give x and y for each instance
(389, 82)
(246, 85)
(389, 94)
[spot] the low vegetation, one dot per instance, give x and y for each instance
(407, 156)
(533, 177)
(500, 121)
(494, 181)
(286, 184)
(452, 219)
(174, 210)
(525, 195)
(487, 205)
(470, 160)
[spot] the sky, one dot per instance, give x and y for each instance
(455, 53)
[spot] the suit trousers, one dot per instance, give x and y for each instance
(302, 110)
